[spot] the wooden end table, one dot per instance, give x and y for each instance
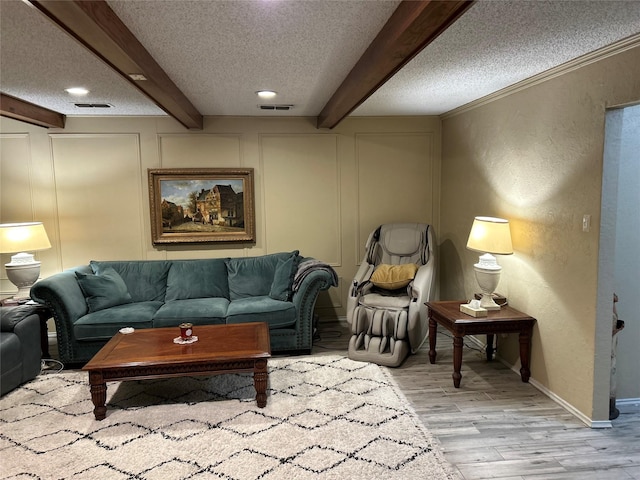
(151, 353)
(505, 320)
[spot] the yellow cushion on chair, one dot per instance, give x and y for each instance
(392, 277)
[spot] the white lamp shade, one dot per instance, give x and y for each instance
(490, 235)
(23, 237)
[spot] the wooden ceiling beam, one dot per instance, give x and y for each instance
(17, 109)
(97, 27)
(413, 26)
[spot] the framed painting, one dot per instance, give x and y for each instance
(201, 205)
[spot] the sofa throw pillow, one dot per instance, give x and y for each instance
(283, 278)
(253, 276)
(392, 277)
(103, 290)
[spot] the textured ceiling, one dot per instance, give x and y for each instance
(220, 52)
(496, 44)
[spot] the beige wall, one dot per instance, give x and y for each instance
(536, 158)
(318, 191)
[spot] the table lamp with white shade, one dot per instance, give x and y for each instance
(489, 236)
(19, 238)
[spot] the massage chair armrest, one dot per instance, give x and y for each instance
(422, 291)
(361, 278)
(422, 284)
(359, 286)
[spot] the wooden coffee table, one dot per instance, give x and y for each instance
(151, 353)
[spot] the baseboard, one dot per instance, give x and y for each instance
(600, 424)
(570, 408)
(627, 401)
(560, 401)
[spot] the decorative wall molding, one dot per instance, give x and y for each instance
(361, 236)
(324, 160)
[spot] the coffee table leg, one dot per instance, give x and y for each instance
(260, 376)
(98, 394)
(457, 360)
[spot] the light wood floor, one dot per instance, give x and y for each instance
(496, 426)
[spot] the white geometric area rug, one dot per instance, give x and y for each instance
(327, 417)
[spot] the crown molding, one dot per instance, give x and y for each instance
(595, 56)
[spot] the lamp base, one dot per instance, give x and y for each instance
(487, 302)
(23, 275)
(499, 299)
(488, 276)
(23, 295)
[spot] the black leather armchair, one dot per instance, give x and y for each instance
(20, 353)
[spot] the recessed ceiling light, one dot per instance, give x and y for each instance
(76, 90)
(266, 93)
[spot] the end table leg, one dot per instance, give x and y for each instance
(489, 347)
(98, 394)
(457, 360)
(525, 345)
(260, 376)
(44, 338)
(433, 331)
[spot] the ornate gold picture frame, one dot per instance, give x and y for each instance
(201, 205)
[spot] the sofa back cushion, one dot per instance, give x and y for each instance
(146, 280)
(197, 279)
(253, 276)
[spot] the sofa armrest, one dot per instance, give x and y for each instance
(62, 295)
(11, 317)
(24, 322)
(305, 295)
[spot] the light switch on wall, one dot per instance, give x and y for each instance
(586, 223)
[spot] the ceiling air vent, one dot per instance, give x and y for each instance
(92, 105)
(275, 107)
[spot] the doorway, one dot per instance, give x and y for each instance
(619, 262)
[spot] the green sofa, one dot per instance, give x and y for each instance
(90, 303)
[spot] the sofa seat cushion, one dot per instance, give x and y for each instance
(199, 311)
(104, 324)
(276, 313)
